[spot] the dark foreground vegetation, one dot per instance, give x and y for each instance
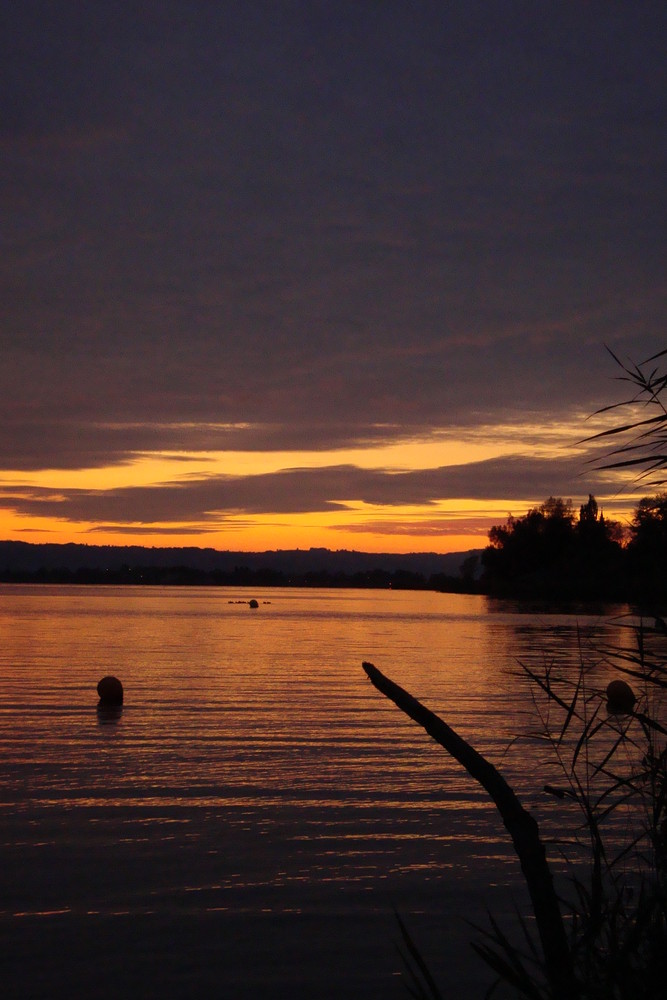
(605, 936)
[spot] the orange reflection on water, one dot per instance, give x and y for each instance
(254, 769)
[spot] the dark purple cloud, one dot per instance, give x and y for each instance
(319, 218)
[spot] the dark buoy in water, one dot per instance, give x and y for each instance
(110, 691)
(253, 603)
(620, 698)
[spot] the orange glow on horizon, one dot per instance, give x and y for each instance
(263, 535)
(445, 526)
(449, 528)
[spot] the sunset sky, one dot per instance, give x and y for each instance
(310, 273)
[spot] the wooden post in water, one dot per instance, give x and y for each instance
(521, 826)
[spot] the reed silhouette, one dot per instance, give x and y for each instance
(607, 940)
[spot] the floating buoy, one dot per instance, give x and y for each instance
(253, 603)
(110, 691)
(620, 698)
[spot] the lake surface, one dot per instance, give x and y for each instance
(246, 826)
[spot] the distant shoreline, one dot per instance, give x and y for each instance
(24, 562)
(455, 573)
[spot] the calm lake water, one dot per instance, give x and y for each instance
(252, 818)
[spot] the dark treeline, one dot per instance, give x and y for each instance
(22, 562)
(32, 557)
(240, 576)
(552, 552)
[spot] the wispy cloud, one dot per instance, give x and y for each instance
(308, 490)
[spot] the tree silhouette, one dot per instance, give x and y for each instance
(548, 553)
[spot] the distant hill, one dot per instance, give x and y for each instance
(89, 563)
